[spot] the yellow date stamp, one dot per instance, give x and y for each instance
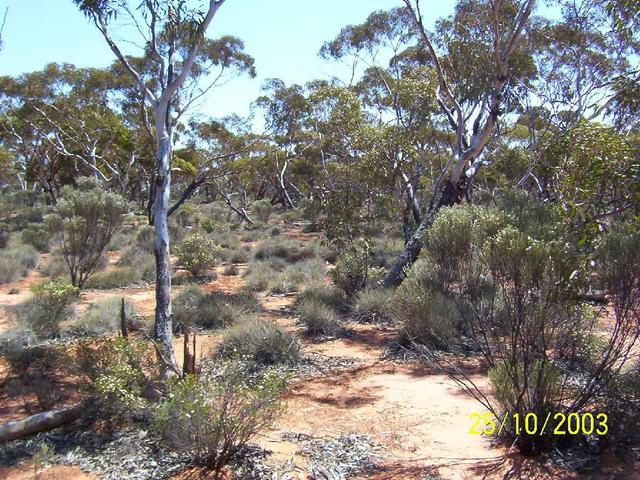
(532, 424)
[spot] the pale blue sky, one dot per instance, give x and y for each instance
(284, 36)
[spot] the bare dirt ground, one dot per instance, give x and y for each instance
(418, 419)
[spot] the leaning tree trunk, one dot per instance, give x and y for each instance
(163, 331)
(451, 194)
(40, 422)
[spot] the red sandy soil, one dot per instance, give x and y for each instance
(420, 419)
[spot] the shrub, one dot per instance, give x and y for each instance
(350, 273)
(259, 275)
(194, 307)
(310, 210)
(513, 296)
(213, 418)
(210, 225)
(295, 276)
(116, 278)
(325, 294)
(275, 231)
(34, 367)
(51, 304)
(198, 253)
(10, 269)
(36, 236)
(372, 305)
(104, 317)
(54, 266)
(231, 270)
(318, 318)
(426, 316)
(261, 342)
(263, 210)
(116, 371)
(84, 220)
(286, 249)
(25, 254)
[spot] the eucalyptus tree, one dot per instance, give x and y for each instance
(286, 109)
(472, 69)
(176, 60)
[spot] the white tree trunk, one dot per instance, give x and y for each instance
(163, 329)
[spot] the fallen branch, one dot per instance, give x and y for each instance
(40, 422)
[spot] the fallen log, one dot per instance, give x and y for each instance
(39, 422)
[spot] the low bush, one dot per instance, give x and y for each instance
(263, 210)
(211, 225)
(372, 305)
(198, 253)
(286, 249)
(37, 236)
(426, 315)
(261, 342)
(318, 318)
(51, 304)
(54, 266)
(10, 269)
(325, 294)
(259, 276)
(32, 370)
(296, 276)
(118, 277)
(350, 272)
(212, 419)
(104, 317)
(231, 270)
(194, 307)
(117, 372)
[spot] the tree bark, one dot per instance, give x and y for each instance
(189, 361)
(163, 331)
(39, 422)
(451, 195)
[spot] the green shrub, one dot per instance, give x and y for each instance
(36, 236)
(261, 342)
(212, 419)
(116, 371)
(119, 277)
(310, 210)
(285, 249)
(84, 220)
(54, 266)
(318, 318)
(325, 294)
(10, 269)
(210, 226)
(350, 273)
(426, 315)
(51, 304)
(231, 270)
(297, 275)
(104, 317)
(372, 305)
(259, 276)
(194, 307)
(26, 256)
(197, 253)
(263, 210)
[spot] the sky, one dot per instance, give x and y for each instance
(284, 37)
